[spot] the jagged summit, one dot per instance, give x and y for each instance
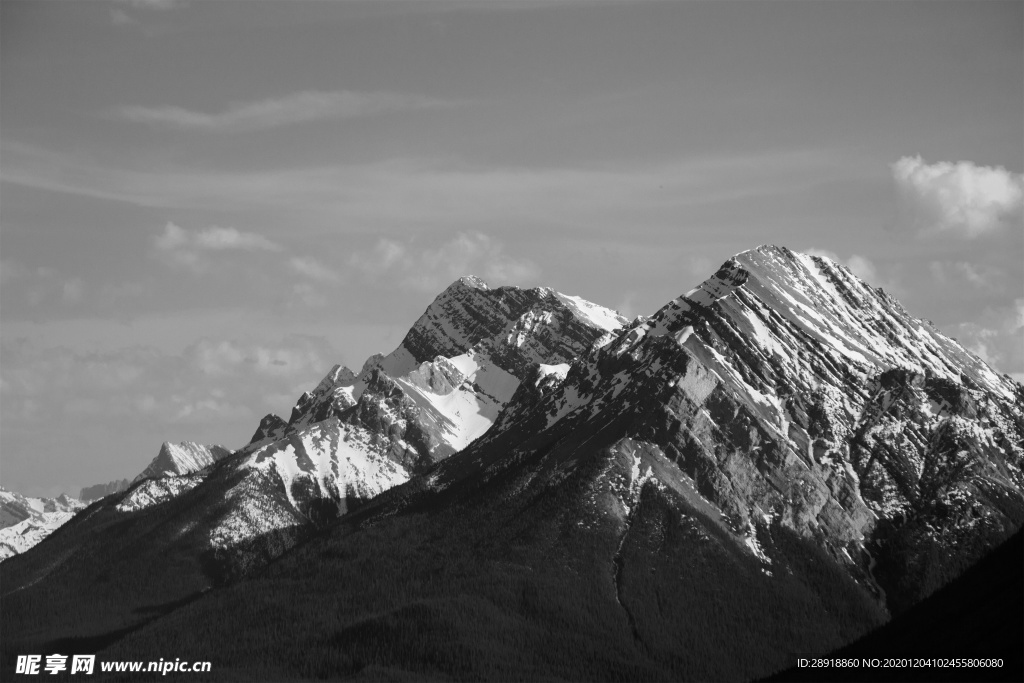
(771, 299)
(471, 281)
(355, 435)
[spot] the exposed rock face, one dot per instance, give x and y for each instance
(26, 521)
(271, 427)
(356, 435)
(182, 458)
(97, 491)
(784, 390)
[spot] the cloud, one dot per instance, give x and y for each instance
(976, 275)
(41, 284)
(313, 269)
(961, 199)
(442, 194)
(121, 18)
(185, 248)
(298, 355)
(208, 381)
(430, 269)
(300, 107)
(214, 239)
(997, 337)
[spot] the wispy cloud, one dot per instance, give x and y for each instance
(313, 269)
(213, 239)
(442, 194)
(300, 107)
(121, 18)
(995, 337)
(210, 380)
(962, 199)
(431, 268)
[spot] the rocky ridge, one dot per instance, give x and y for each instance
(356, 435)
(97, 491)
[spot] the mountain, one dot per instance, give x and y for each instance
(347, 440)
(97, 491)
(776, 462)
(25, 521)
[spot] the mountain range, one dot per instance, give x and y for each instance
(532, 486)
(25, 521)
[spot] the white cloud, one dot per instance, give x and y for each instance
(961, 199)
(297, 107)
(997, 337)
(313, 269)
(213, 239)
(185, 248)
(430, 269)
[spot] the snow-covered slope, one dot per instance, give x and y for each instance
(25, 521)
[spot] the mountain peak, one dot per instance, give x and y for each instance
(471, 281)
(181, 458)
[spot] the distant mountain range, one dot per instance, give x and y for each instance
(532, 486)
(24, 522)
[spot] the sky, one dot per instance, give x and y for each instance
(205, 205)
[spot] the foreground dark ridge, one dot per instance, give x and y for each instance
(794, 456)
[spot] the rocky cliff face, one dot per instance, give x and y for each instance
(785, 391)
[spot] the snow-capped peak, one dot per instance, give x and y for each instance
(182, 458)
